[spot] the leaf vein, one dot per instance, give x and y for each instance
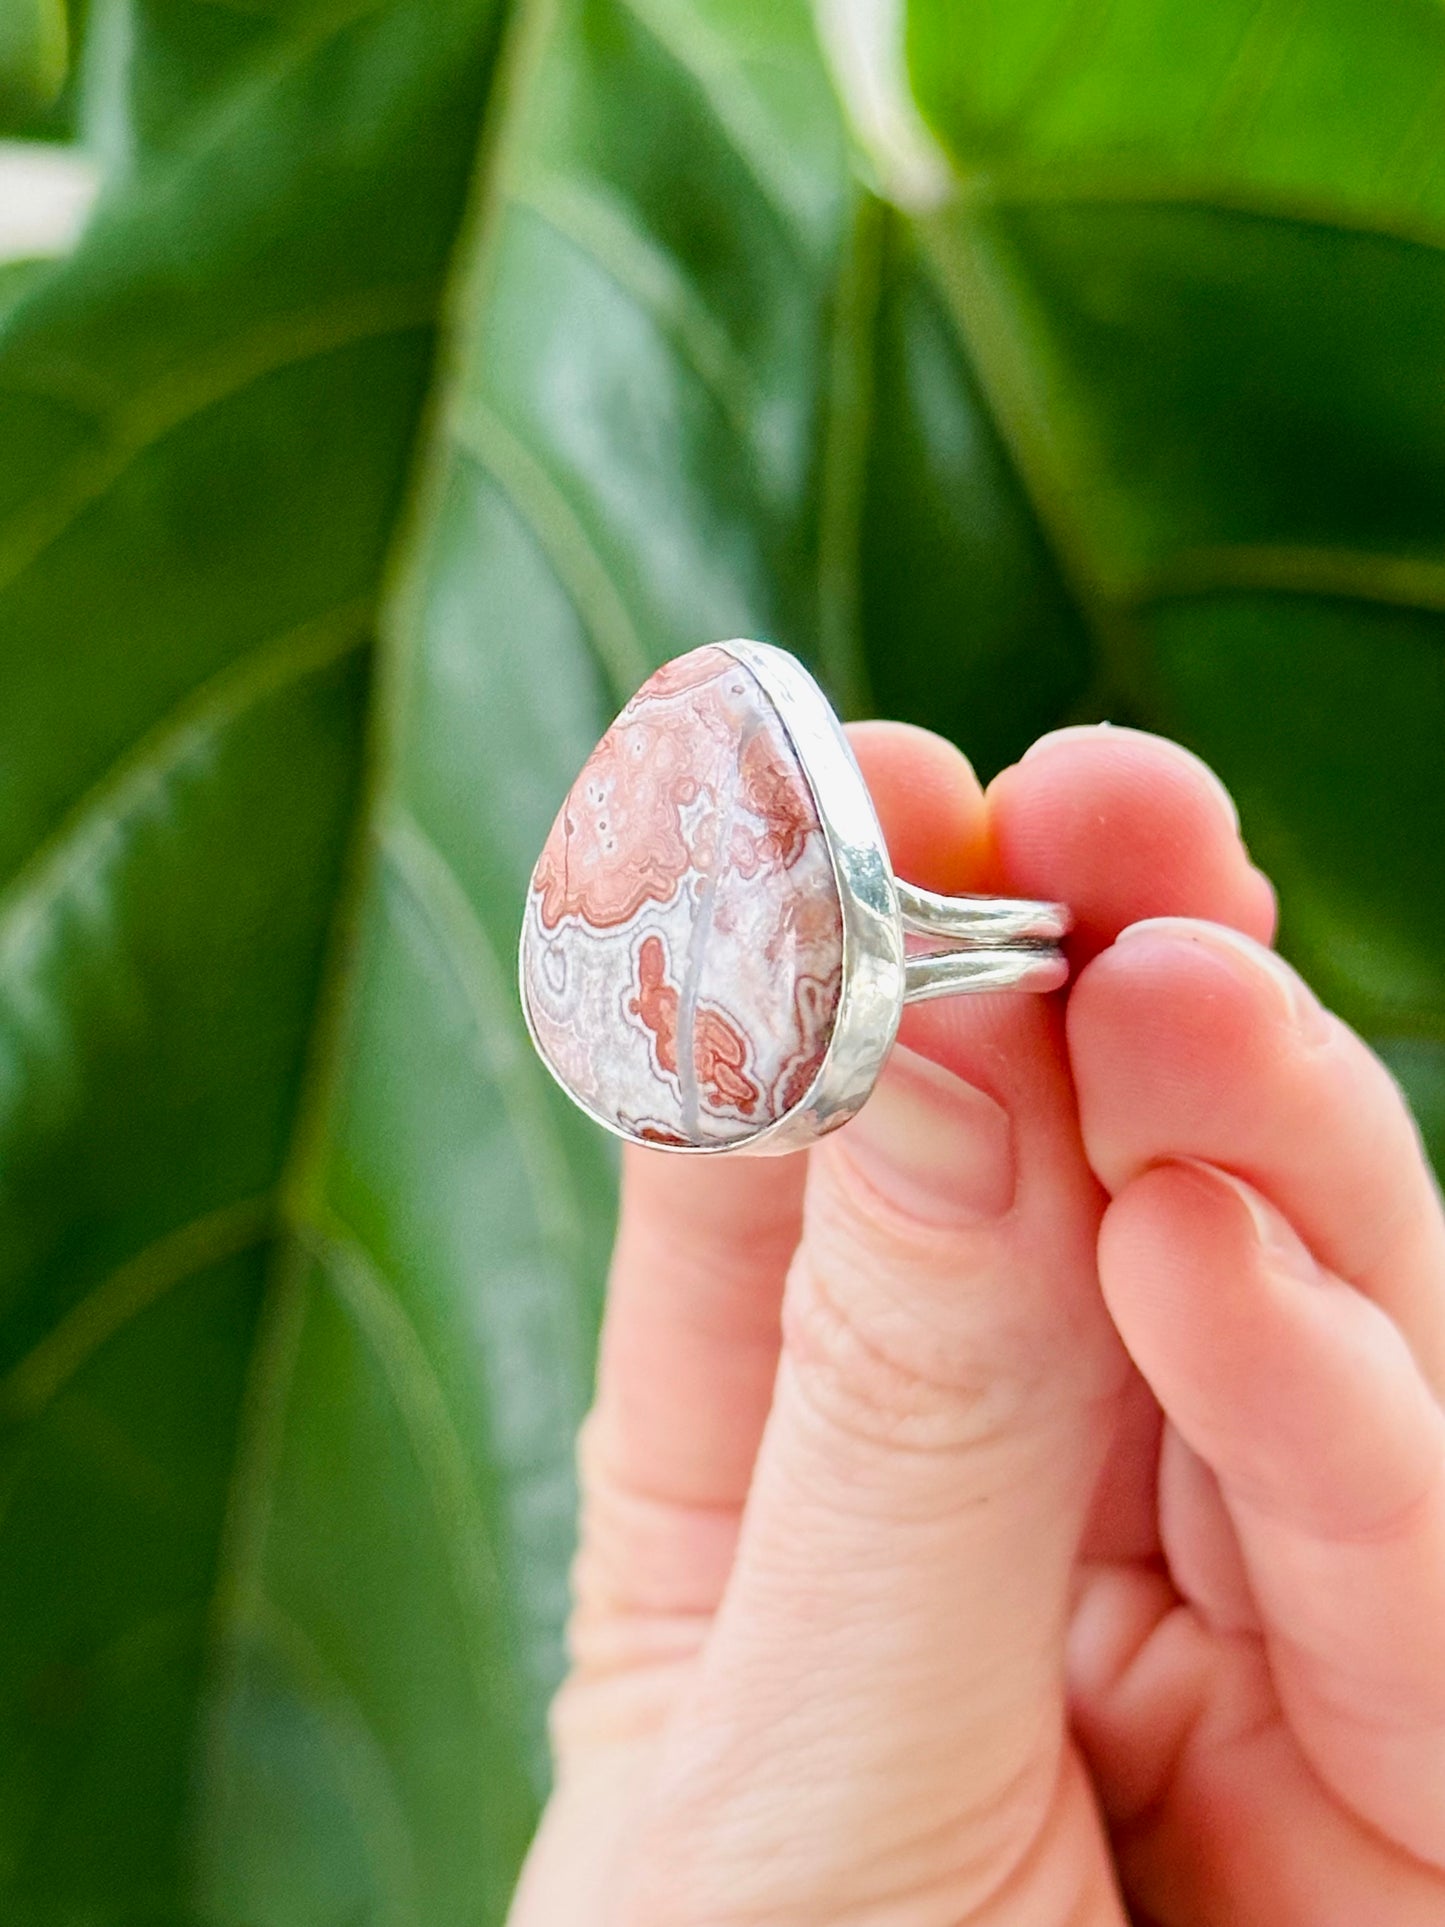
(541, 506)
(842, 483)
(384, 1828)
(125, 1293)
(1415, 582)
(696, 54)
(1003, 193)
(640, 269)
(186, 393)
(360, 1288)
(97, 815)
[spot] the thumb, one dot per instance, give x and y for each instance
(878, 1713)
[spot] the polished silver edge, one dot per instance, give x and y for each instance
(981, 922)
(870, 1000)
(947, 973)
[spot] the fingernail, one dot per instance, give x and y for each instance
(1283, 1248)
(1095, 732)
(1298, 1003)
(939, 1148)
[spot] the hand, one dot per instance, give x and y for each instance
(1038, 1490)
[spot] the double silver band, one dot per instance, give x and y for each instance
(979, 943)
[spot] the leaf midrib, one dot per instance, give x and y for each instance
(751, 143)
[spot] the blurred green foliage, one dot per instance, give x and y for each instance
(430, 370)
(34, 56)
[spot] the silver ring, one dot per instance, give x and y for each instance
(717, 874)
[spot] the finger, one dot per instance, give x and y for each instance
(928, 801)
(1305, 1400)
(1124, 825)
(1200, 1541)
(688, 1353)
(1189, 1042)
(690, 1340)
(1124, 1514)
(891, 1636)
(1215, 1815)
(687, 1364)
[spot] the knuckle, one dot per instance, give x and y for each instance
(916, 1338)
(645, 1553)
(872, 1369)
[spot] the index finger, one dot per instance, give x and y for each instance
(1123, 825)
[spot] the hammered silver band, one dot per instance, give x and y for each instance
(979, 943)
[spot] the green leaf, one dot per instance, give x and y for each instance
(19, 277)
(299, 1250)
(207, 414)
(656, 428)
(623, 462)
(152, 67)
(1203, 285)
(967, 623)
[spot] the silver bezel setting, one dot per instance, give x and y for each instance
(870, 997)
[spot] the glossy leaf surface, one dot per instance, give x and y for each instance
(204, 463)
(1199, 258)
(150, 68)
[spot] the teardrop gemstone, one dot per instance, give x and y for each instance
(682, 949)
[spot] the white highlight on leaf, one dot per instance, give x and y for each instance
(863, 43)
(46, 192)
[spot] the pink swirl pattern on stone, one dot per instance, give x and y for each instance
(682, 949)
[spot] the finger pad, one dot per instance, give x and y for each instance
(1167, 1043)
(1122, 826)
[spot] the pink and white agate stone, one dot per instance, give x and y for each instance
(682, 949)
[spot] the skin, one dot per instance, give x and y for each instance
(1028, 1506)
